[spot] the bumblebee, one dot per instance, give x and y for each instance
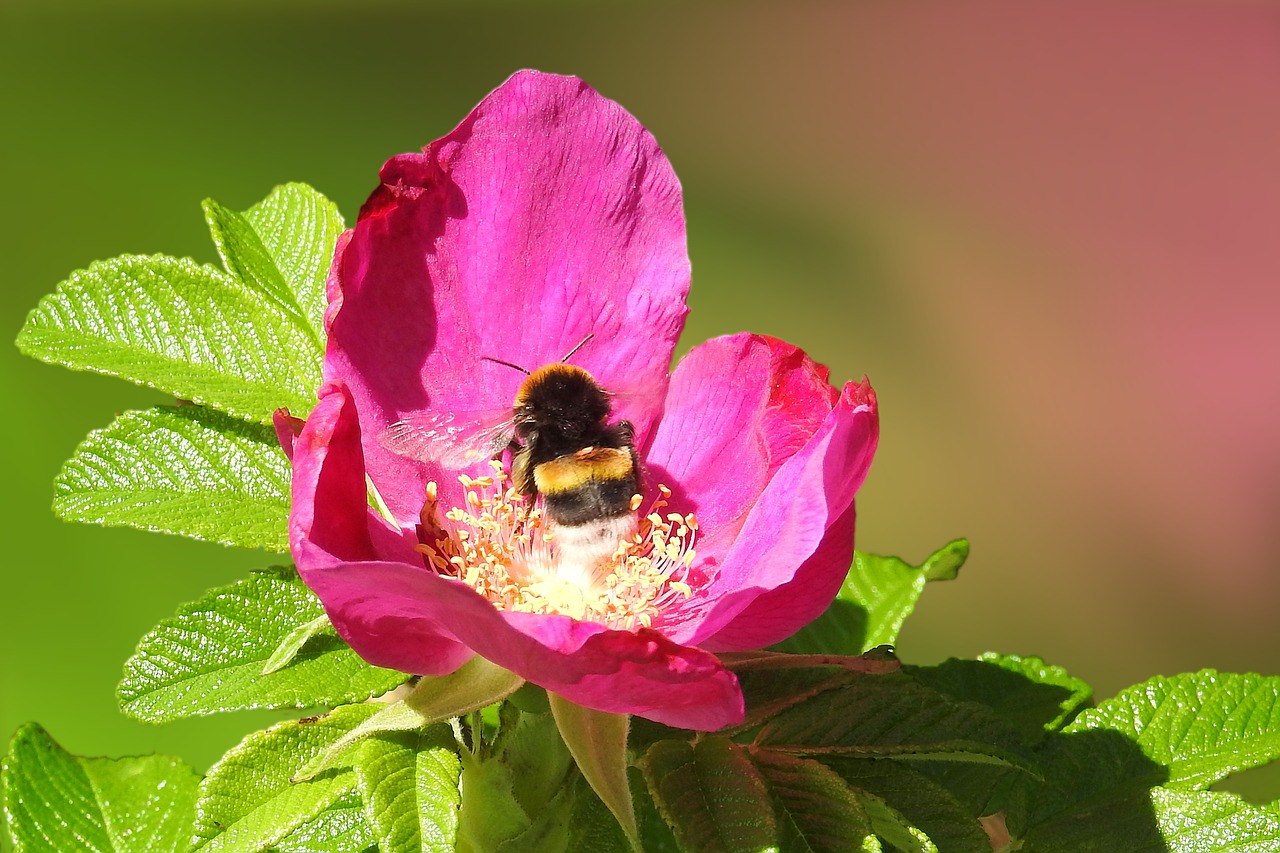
(584, 467)
(564, 449)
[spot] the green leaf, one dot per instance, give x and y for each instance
(189, 471)
(878, 595)
(341, 828)
(711, 796)
(1212, 821)
(56, 801)
(409, 783)
(1201, 726)
(299, 227)
(598, 743)
(893, 716)
(248, 802)
(281, 248)
(209, 657)
(1035, 697)
(927, 807)
(1162, 821)
(815, 805)
(181, 328)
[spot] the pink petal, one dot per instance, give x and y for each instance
(328, 489)
(330, 497)
(382, 609)
(331, 523)
(287, 430)
(547, 215)
(797, 536)
(737, 409)
(798, 539)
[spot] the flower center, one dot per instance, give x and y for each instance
(620, 572)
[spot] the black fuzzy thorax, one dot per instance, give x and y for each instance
(562, 411)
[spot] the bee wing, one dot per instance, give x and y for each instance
(647, 398)
(452, 440)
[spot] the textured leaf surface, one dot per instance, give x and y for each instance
(341, 828)
(878, 595)
(1201, 726)
(189, 470)
(248, 802)
(1034, 697)
(927, 807)
(56, 801)
(298, 228)
(894, 716)
(1162, 821)
(711, 796)
(181, 328)
(209, 657)
(409, 783)
(817, 810)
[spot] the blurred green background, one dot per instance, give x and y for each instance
(1045, 233)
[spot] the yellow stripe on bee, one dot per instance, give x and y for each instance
(566, 473)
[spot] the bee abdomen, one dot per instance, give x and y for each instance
(592, 484)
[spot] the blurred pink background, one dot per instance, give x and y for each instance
(1075, 207)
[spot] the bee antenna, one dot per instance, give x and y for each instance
(505, 363)
(580, 345)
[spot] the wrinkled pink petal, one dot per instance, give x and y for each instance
(547, 215)
(331, 522)
(384, 610)
(737, 408)
(794, 524)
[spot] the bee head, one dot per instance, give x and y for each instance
(560, 400)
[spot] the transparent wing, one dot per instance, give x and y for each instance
(646, 398)
(451, 439)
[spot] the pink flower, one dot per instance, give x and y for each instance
(549, 215)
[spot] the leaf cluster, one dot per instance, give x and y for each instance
(843, 748)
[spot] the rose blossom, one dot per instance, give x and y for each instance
(547, 216)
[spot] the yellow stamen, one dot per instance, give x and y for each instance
(507, 551)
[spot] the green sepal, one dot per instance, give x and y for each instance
(489, 816)
(210, 656)
(57, 801)
(475, 685)
(292, 643)
(598, 742)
